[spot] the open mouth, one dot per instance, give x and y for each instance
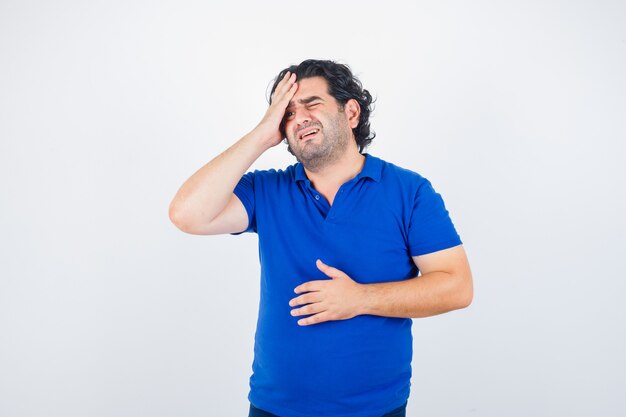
(308, 134)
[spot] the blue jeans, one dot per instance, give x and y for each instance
(257, 412)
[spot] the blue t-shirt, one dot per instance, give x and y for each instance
(359, 367)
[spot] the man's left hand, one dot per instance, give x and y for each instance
(339, 298)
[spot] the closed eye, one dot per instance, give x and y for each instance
(289, 114)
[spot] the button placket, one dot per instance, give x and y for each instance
(332, 214)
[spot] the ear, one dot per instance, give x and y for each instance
(353, 112)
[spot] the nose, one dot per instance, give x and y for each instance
(302, 117)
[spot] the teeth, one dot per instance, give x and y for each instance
(311, 133)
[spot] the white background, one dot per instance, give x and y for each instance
(514, 110)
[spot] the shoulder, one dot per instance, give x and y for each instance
(273, 174)
(272, 181)
(406, 178)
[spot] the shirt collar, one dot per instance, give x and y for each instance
(372, 168)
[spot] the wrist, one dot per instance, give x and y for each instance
(267, 134)
(365, 300)
(257, 140)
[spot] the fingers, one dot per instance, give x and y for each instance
(279, 87)
(308, 309)
(285, 89)
(318, 318)
(287, 82)
(309, 286)
(311, 297)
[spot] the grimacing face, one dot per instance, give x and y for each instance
(316, 126)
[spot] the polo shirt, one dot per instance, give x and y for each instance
(379, 219)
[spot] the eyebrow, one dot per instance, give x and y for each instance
(305, 100)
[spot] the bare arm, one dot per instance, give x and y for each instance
(445, 285)
(205, 203)
(205, 195)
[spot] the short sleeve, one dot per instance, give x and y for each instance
(244, 190)
(430, 226)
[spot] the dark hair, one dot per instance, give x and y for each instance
(343, 86)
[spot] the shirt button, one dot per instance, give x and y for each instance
(317, 197)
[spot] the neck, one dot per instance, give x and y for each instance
(348, 166)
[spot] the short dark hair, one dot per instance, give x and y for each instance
(343, 86)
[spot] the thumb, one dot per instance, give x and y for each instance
(328, 270)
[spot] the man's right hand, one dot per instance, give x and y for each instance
(206, 204)
(269, 127)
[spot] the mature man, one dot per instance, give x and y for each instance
(342, 238)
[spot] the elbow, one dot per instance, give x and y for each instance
(466, 292)
(174, 214)
(466, 300)
(188, 223)
(177, 218)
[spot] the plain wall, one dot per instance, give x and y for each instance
(514, 110)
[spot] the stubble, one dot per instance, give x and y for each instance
(325, 150)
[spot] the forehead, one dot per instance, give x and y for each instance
(313, 86)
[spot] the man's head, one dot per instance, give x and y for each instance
(317, 78)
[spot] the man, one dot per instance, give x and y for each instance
(342, 237)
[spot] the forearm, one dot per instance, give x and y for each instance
(207, 192)
(427, 295)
